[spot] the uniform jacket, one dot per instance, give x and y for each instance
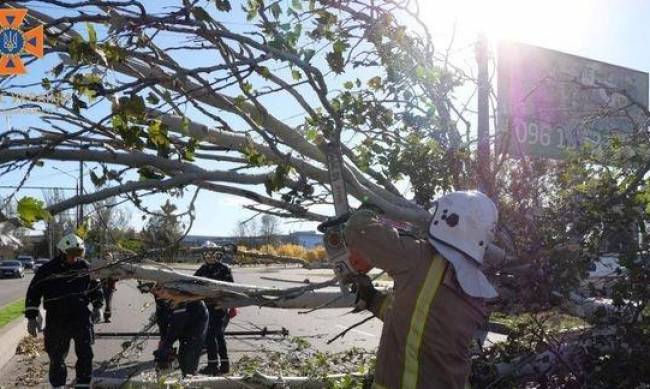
(215, 271)
(425, 341)
(182, 322)
(66, 290)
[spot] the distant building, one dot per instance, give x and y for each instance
(307, 239)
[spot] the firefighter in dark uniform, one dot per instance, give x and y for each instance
(66, 289)
(215, 342)
(188, 323)
(108, 288)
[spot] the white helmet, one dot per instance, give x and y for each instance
(461, 229)
(209, 244)
(71, 242)
(465, 221)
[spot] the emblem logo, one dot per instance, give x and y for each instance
(14, 42)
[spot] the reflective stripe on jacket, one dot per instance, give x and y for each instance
(429, 324)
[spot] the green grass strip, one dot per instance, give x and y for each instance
(11, 312)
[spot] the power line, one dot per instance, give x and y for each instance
(36, 187)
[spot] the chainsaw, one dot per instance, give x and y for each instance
(337, 251)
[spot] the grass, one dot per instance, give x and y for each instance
(11, 312)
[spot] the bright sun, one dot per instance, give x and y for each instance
(543, 22)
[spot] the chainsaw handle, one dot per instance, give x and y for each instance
(332, 222)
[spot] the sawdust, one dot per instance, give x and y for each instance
(304, 362)
(30, 349)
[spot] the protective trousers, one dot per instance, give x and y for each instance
(58, 333)
(108, 291)
(216, 341)
(191, 345)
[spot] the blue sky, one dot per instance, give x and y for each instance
(613, 31)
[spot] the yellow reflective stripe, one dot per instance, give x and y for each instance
(418, 321)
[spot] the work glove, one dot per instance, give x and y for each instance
(39, 322)
(333, 222)
(97, 315)
(32, 327)
(365, 290)
(145, 287)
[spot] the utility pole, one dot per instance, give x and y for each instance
(483, 127)
(50, 240)
(80, 220)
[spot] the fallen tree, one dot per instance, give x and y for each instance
(148, 120)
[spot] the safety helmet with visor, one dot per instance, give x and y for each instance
(71, 245)
(461, 229)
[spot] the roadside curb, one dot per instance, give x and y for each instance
(10, 336)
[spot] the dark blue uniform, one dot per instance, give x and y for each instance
(66, 290)
(187, 323)
(216, 341)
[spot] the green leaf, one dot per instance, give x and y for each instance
(311, 134)
(92, 34)
(152, 98)
(296, 4)
(296, 75)
(348, 85)
(201, 14)
(336, 62)
(340, 46)
(276, 10)
(31, 210)
(96, 180)
(188, 151)
(158, 134)
(58, 69)
(247, 87)
(148, 173)
(133, 107)
(278, 180)
(46, 83)
(78, 104)
(81, 231)
(185, 126)
(264, 71)
(336, 104)
(223, 5)
(420, 72)
(254, 157)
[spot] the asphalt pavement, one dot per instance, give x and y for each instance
(132, 310)
(12, 289)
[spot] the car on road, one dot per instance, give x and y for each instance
(27, 261)
(12, 269)
(40, 262)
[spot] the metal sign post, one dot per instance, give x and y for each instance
(483, 128)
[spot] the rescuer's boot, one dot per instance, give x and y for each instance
(212, 369)
(224, 368)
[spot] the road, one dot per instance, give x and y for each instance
(131, 311)
(11, 289)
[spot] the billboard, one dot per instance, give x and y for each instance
(550, 102)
